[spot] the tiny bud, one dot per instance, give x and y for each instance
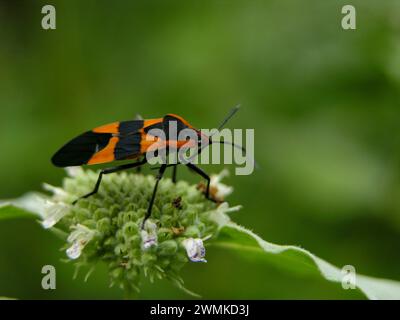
(103, 225)
(168, 247)
(130, 228)
(192, 232)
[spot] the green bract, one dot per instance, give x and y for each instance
(106, 226)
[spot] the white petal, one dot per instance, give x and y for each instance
(74, 251)
(222, 189)
(224, 208)
(195, 249)
(148, 240)
(218, 177)
(149, 235)
(81, 233)
(32, 202)
(54, 212)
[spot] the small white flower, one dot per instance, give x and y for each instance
(222, 190)
(53, 212)
(149, 235)
(79, 239)
(195, 249)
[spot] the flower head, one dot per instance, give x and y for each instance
(107, 227)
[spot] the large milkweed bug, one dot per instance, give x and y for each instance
(130, 140)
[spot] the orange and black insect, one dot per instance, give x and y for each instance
(129, 140)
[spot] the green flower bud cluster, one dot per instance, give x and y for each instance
(106, 227)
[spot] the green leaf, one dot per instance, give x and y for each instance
(9, 211)
(298, 260)
(25, 207)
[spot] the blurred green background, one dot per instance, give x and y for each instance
(324, 103)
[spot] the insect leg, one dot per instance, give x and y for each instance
(174, 173)
(158, 178)
(204, 175)
(107, 171)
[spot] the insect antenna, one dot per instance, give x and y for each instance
(223, 123)
(229, 116)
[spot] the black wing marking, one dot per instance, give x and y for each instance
(80, 149)
(128, 146)
(129, 139)
(131, 127)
